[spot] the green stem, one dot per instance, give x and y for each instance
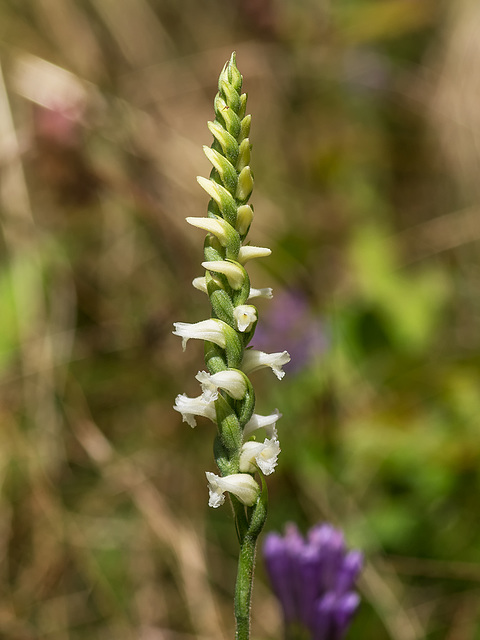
(246, 565)
(241, 522)
(243, 587)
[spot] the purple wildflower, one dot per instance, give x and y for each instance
(289, 321)
(313, 579)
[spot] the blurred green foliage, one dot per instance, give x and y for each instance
(364, 124)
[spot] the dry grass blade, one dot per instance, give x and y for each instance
(175, 533)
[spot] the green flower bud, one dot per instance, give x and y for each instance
(245, 185)
(244, 128)
(244, 218)
(244, 154)
(228, 115)
(222, 197)
(243, 106)
(231, 96)
(226, 140)
(225, 168)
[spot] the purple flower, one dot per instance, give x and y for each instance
(288, 321)
(313, 579)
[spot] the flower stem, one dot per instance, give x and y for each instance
(246, 565)
(243, 587)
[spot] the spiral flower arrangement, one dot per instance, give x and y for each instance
(227, 397)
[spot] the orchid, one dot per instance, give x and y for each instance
(227, 397)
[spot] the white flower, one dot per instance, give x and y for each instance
(190, 407)
(211, 329)
(213, 225)
(267, 292)
(248, 252)
(245, 316)
(234, 274)
(264, 455)
(233, 382)
(253, 360)
(262, 422)
(200, 283)
(240, 484)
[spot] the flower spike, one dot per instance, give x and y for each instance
(227, 397)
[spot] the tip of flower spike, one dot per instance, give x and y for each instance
(231, 62)
(233, 73)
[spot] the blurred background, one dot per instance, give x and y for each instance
(366, 134)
